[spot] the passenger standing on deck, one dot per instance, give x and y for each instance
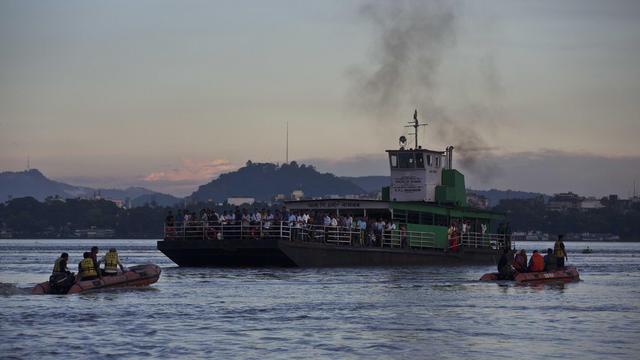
(169, 220)
(87, 268)
(246, 221)
(268, 218)
(483, 228)
(326, 220)
(453, 237)
(501, 236)
(537, 262)
(362, 226)
(229, 217)
(403, 236)
(61, 264)
(111, 262)
(256, 217)
(559, 251)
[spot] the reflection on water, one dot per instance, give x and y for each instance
(413, 313)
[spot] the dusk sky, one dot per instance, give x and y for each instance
(535, 95)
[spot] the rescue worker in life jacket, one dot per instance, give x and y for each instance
(537, 262)
(94, 257)
(550, 262)
(61, 264)
(111, 263)
(559, 251)
(87, 268)
(520, 261)
(505, 271)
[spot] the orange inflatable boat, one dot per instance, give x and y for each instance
(139, 275)
(567, 274)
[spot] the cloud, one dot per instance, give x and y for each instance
(192, 171)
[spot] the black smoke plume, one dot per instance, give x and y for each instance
(411, 42)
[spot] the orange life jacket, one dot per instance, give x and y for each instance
(520, 262)
(537, 262)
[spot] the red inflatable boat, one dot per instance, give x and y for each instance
(139, 275)
(567, 274)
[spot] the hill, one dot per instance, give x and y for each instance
(369, 183)
(264, 180)
(32, 183)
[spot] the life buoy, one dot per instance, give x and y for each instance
(172, 234)
(211, 234)
(253, 233)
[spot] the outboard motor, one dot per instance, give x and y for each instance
(60, 283)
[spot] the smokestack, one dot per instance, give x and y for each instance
(449, 157)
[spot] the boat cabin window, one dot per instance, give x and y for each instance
(426, 219)
(442, 220)
(437, 161)
(419, 161)
(393, 158)
(428, 160)
(413, 217)
(406, 160)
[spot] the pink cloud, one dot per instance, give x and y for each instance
(192, 170)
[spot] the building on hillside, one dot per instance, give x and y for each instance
(57, 197)
(297, 195)
(237, 201)
(279, 197)
(564, 201)
(94, 232)
(591, 203)
(477, 201)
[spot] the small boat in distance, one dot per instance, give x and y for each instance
(139, 275)
(567, 274)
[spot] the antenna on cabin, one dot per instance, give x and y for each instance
(287, 149)
(415, 125)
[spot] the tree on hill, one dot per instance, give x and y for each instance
(263, 180)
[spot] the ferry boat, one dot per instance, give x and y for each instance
(426, 200)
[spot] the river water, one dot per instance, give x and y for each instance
(383, 313)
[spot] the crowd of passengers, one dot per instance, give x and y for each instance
(369, 227)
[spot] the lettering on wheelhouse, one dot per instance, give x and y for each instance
(407, 184)
(334, 204)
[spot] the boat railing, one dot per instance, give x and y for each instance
(339, 235)
(336, 235)
(412, 239)
(209, 230)
(484, 240)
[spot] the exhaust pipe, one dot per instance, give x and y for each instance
(449, 157)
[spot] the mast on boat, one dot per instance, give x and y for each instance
(415, 125)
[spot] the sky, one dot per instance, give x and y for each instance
(534, 95)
